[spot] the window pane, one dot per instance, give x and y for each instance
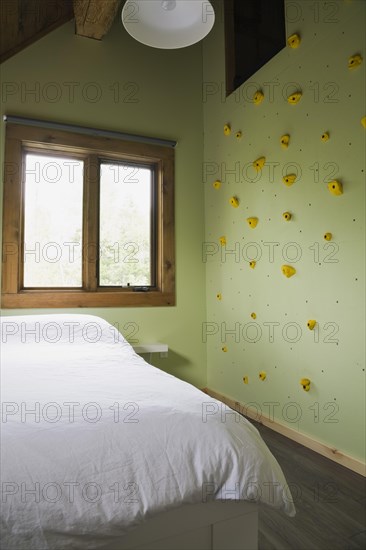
(125, 225)
(53, 221)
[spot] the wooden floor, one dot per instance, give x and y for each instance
(330, 502)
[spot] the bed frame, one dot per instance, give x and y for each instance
(219, 525)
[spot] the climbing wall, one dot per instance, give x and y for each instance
(284, 249)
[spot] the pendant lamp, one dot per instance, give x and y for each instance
(168, 24)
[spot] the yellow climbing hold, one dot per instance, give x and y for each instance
(287, 216)
(294, 98)
(328, 236)
(325, 136)
(253, 222)
(222, 240)
(294, 41)
(354, 61)
(305, 382)
(262, 375)
(238, 134)
(259, 163)
(224, 349)
(285, 140)
(227, 129)
(245, 379)
(363, 121)
(252, 264)
(219, 296)
(258, 97)
(234, 201)
(289, 179)
(216, 184)
(288, 270)
(311, 324)
(335, 187)
(253, 315)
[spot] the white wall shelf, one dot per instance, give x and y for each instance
(156, 347)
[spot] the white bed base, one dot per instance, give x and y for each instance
(220, 525)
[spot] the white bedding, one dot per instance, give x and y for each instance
(111, 440)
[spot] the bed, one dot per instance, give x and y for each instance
(101, 450)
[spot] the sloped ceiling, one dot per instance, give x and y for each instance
(25, 21)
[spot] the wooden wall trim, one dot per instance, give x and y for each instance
(329, 452)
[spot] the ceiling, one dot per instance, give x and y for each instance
(25, 21)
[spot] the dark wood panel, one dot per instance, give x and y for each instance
(25, 21)
(254, 33)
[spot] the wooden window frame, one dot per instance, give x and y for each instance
(91, 149)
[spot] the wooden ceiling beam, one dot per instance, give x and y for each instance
(93, 18)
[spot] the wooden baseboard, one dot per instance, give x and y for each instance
(321, 448)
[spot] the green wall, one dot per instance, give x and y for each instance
(119, 84)
(329, 284)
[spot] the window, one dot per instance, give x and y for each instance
(87, 221)
(53, 221)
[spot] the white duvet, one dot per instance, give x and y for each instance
(94, 440)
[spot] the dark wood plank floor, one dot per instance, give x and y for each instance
(330, 502)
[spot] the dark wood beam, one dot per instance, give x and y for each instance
(93, 18)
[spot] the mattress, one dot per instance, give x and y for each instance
(95, 440)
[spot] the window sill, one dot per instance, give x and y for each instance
(77, 298)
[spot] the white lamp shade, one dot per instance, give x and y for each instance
(168, 24)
